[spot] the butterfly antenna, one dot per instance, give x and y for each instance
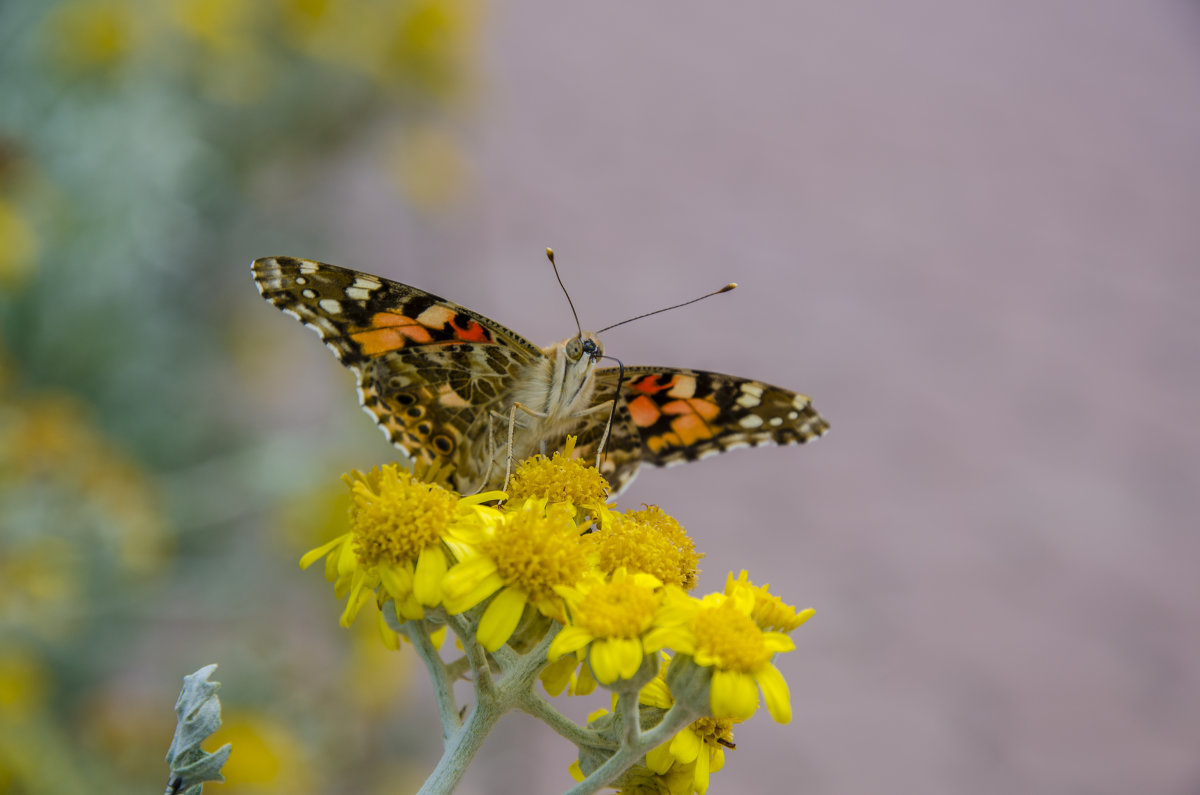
(570, 303)
(725, 289)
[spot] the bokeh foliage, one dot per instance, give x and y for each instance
(143, 145)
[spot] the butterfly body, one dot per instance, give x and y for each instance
(449, 385)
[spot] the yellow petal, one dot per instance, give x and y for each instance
(677, 638)
(775, 693)
(431, 570)
(734, 695)
(314, 555)
(659, 760)
(686, 746)
(390, 639)
(501, 618)
(700, 774)
(603, 660)
(628, 654)
(569, 640)
(397, 580)
(656, 694)
(778, 642)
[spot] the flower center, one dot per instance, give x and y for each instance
(713, 730)
(560, 478)
(648, 540)
(618, 610)
(538, 548)
(731, 637)
(399, 517)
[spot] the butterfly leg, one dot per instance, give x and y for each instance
(512, 425)
(596, 409)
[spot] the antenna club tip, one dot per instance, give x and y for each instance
(727, 288)
(550, 253)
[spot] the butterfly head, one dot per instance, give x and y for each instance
(586, 344)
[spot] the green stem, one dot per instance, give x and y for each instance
(536, 706)
(631, 718)
(443, 684)
(485, 688)
(462, 747)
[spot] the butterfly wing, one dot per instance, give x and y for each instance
(429, 371)
(666, 416)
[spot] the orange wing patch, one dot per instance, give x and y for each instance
(389, 332)
(644, 411)
(692, 424)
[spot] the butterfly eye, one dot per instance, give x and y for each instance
(574, 349)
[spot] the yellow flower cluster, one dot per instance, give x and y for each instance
(604, 592)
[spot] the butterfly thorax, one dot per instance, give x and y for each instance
(556, 389)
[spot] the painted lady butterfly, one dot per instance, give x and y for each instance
(447, 384)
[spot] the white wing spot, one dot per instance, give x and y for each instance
(750, 421)
(330, 305)
(800, 401)
(366, 284)
(748, 401)
(776, 421)
(308, 268)
(309, 294)
(301, 280)
(323, 326)
(793, 415)
(358, 293)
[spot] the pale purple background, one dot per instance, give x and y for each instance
(970, 232)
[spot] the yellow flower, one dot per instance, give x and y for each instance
(724, 657)
(403, 536)
(570, 673)
(647, 540)
(523, 560)
(769, 610)
(560, 478)
(610, 618)
(699, 749)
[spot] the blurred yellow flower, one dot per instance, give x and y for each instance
(18, 245)
(268, 757)
(428, 166)
(89, 35)
(23, 683)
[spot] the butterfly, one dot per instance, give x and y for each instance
(449, 386)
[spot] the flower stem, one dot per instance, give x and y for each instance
(536, 706)
(461, 748)
(443, 684)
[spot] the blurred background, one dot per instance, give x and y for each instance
(968, 230)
